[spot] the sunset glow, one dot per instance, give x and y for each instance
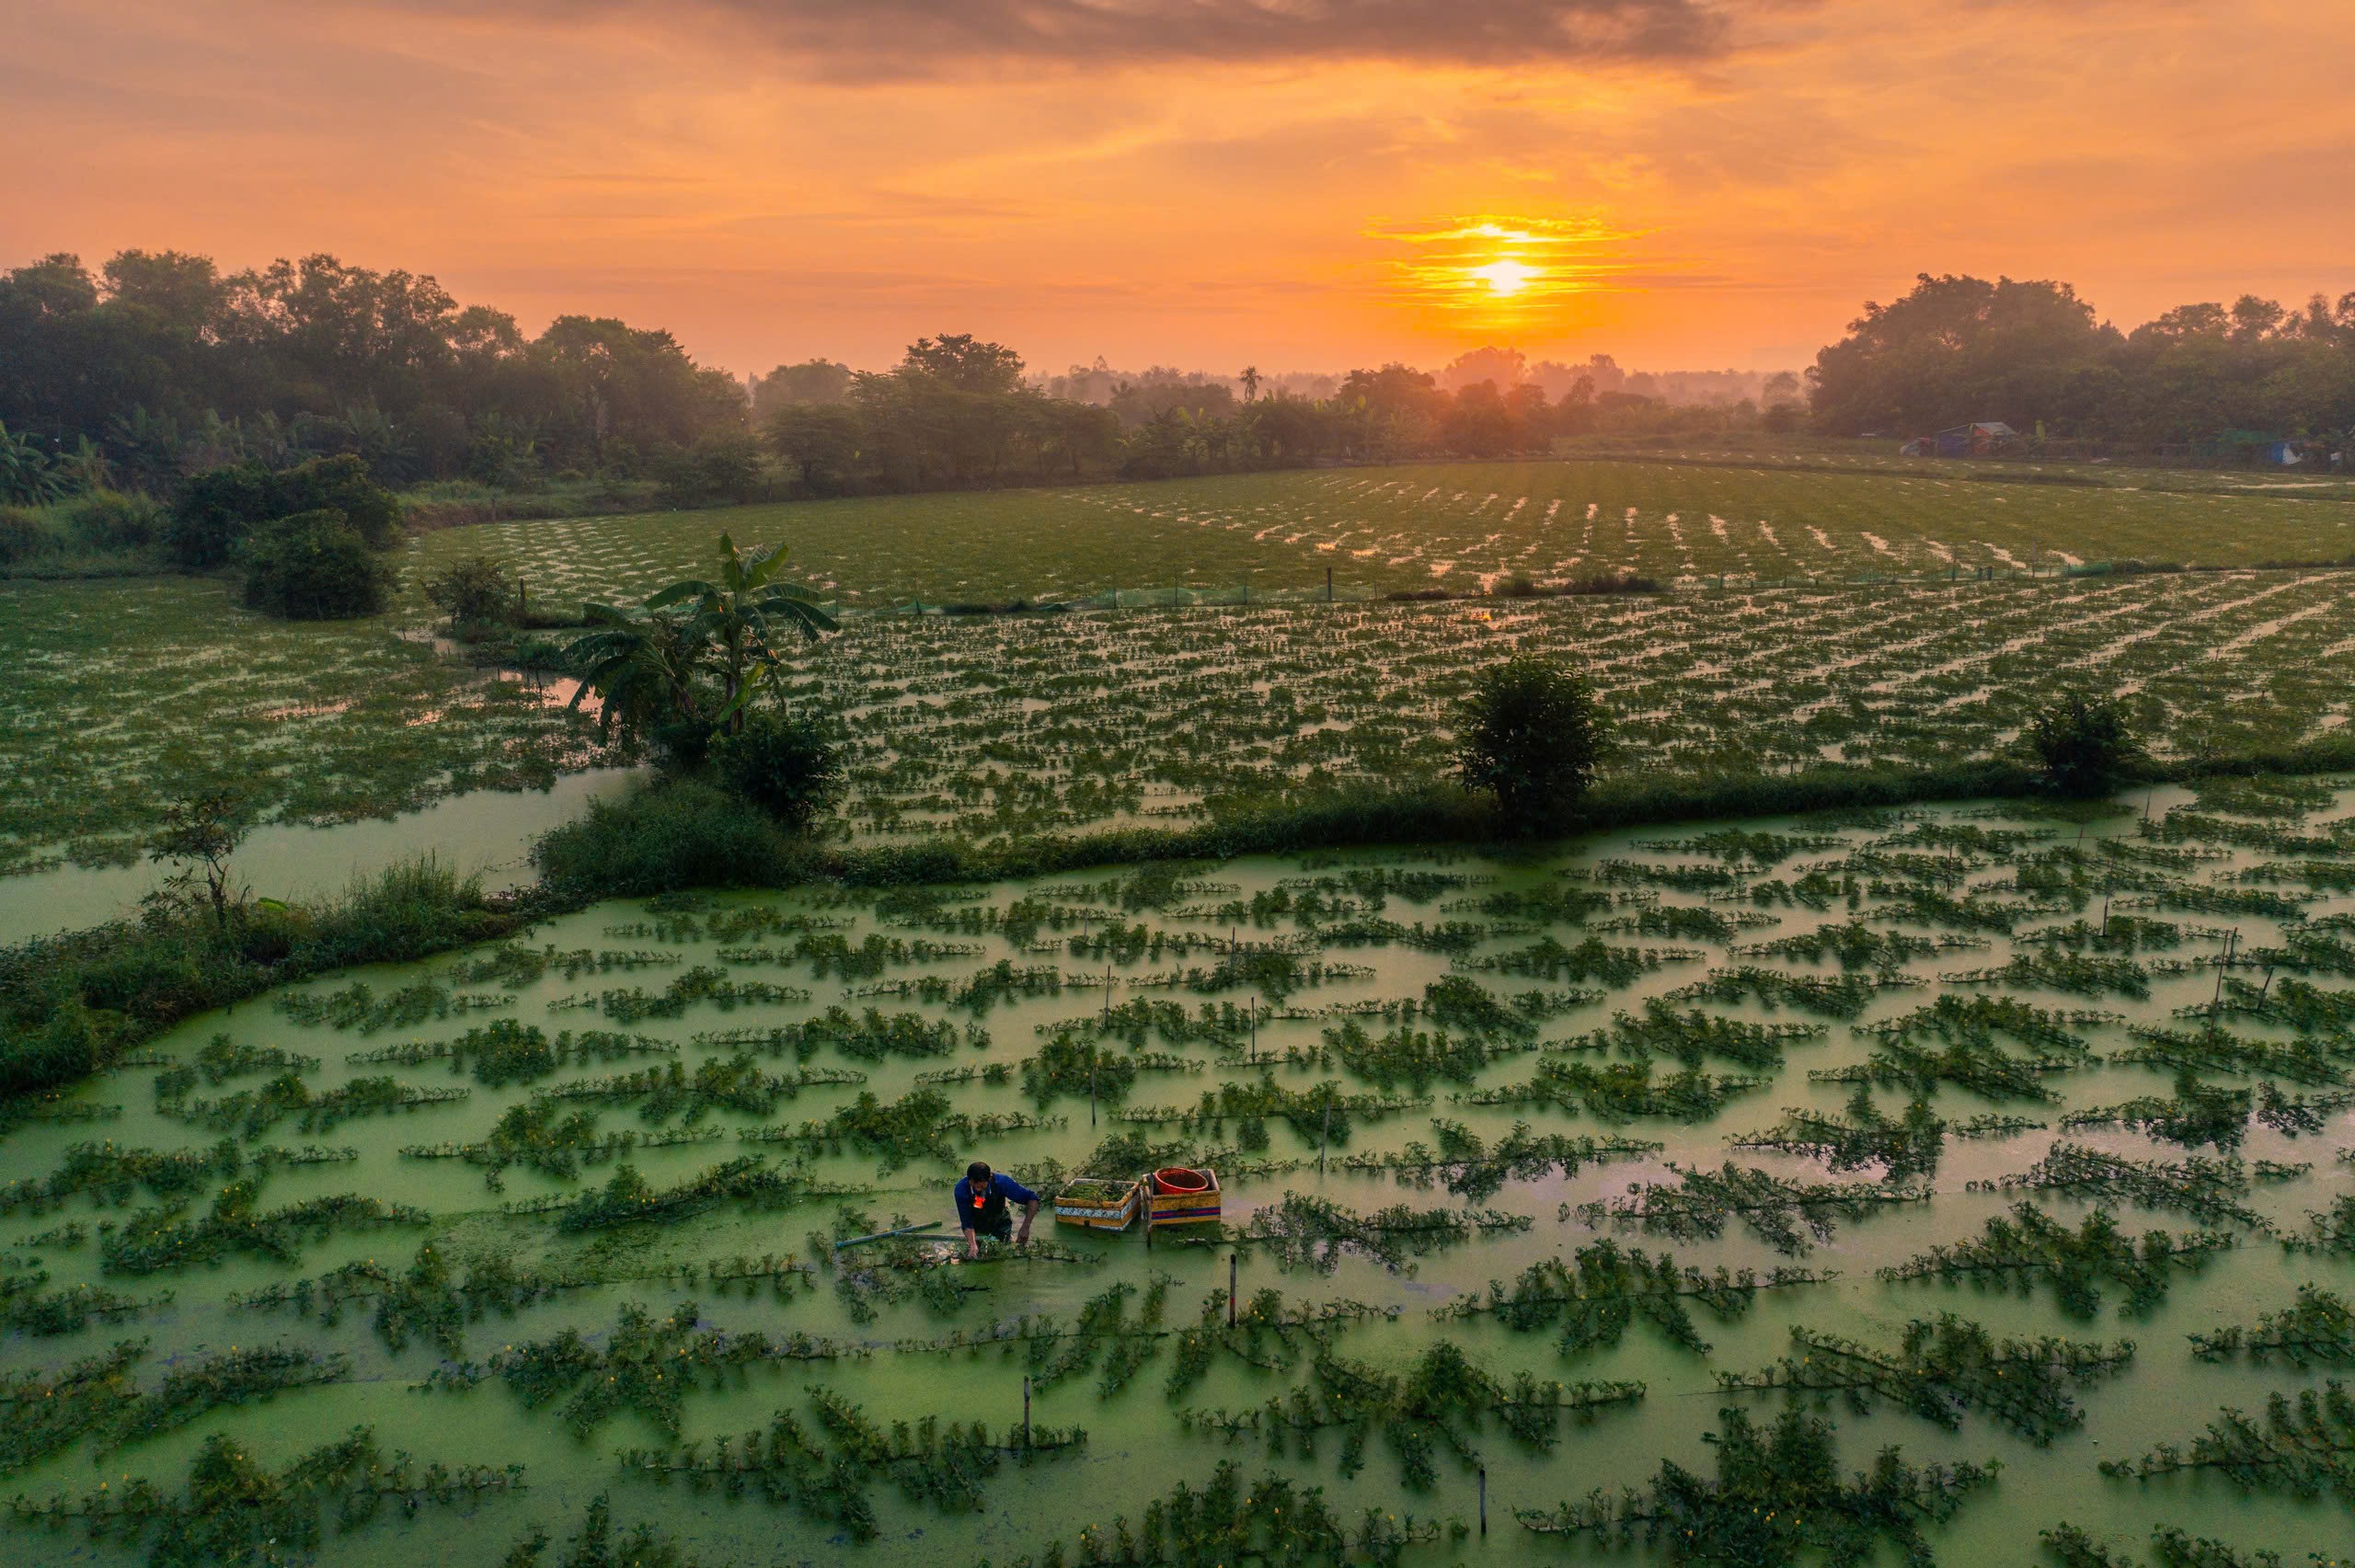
(1674, 181)
(1506, 278)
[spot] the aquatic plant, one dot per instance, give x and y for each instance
(627, 1199)
(357, 1007)
(152, 1240)
(1697, 1205)
(2302, 1448)
(596, 1546)
(829, 1477)
(233, 1510)
(1442, 1402)
(1846, 997)
(1470, 1167)
(1905, 1146)
(2205, 1189)
(1941, 1369)
(1777, 1496)
(252, 1111)
(2030, 1245)
(1265, 1333)
(2213, 1049)
(2319, 1326)
(1602, 1287)
(1661, 1030)
(1622, 1090)
(2196, 1114)
(2171, 1548)
(1311, 1231)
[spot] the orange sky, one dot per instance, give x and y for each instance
(1201, 182)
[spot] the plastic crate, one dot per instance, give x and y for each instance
(1182, 1209)
(1094, 1215)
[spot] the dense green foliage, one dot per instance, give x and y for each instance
(1530, 734)
(314, 566)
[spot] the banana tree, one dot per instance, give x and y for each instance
(642, 667)
(740, 618)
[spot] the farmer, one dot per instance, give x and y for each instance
(981, 1198)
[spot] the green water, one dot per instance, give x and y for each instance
(486, 831)
(1136, 1449)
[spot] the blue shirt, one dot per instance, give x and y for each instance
(969, 1207)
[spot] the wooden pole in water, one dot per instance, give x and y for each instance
(1327, 1139)
(1484, 1500)
(1025, 1411)
(1328, 584)
(1230, 1289)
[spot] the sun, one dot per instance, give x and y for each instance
(1505, 277)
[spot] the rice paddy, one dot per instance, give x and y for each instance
(1456, 526)
(2014, 1141)
(1825, 616)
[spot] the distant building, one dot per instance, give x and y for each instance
(1976, 439)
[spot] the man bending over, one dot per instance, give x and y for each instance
(982, 1199)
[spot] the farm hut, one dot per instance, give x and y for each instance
(1976, 439)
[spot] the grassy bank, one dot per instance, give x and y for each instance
(71, 1005)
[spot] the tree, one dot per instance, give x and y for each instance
(476, 591)
(786, 766)
(812, 381)
(1250, 380)
(823, 439)
(315, 566)
(964, 363)
(201, 831)
(643, 669)
(644, 665)
(741, 617)
(2081, 745)
(1531, 734)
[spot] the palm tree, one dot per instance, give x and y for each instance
(1250, 379)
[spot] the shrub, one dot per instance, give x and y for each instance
(680, 833)
(108, 519)
(22, 534)
(219, 509)
(1530, 734)
(476, 591)
(2081, 745)
(786, 766)
(315, 566)
(215, 508)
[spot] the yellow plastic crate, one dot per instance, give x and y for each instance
(1182, 1209)
(1100, 1214)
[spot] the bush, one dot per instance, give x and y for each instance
(785, 766)
(2082, 746)
(315, 566)
(22, 533)
(680, 833)
(1530, 734)
(108, 519)
(218, 510)
(476, 591)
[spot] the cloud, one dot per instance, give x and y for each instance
(881, 40)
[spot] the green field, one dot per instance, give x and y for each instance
(118, 692)
(1897, 1026)
(1454, 525)
(1780, 650)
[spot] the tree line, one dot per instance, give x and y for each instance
(2034, 354)
(157, 366)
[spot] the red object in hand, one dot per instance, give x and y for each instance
(1179, 1180)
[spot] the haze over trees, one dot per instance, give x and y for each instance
(1961, 349)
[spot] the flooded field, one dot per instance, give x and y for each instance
(569, 1205)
